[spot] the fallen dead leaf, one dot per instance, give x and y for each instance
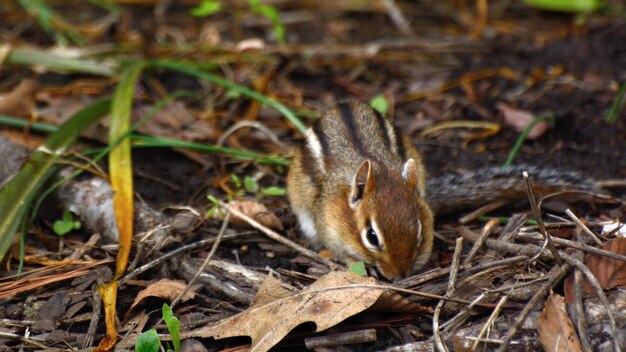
(257, 211)
(21, 100)
(520, 119)
(555, 328)
(610, 273)
(164, 288)
(328, 301)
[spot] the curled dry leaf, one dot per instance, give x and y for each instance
(164, 288)
(555, 328)
(520, 119)
(21, 100)
(257, 211)
(610, 273)
(276, 311)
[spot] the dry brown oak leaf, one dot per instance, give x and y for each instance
(609, 272)
(164, 288)
(328, 301)
(555, 328)
(256, 210)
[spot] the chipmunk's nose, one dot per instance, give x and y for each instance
(395, 274)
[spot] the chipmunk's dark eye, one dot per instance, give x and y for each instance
(372, 238)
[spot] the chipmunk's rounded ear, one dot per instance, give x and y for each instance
(409, 173)
(362, 183)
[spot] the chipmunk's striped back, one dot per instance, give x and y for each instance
(356, 133)
(356, 185)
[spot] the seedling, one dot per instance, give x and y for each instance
(211, 7)
(380, 104)
(66, 224)
(149, 341)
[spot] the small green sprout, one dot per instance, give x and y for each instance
(66, 224)
(148, 341)
(358, 268)
(173, 326)
(380, 104)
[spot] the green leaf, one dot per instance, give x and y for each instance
(236, 180)
(272, 14)
(173, 326)
(213, 199)
(61, 228)
(273, 191)
(206, 8)
(148, 341)
(567, 5)
(211, 212)
(18, 193)
(66, 224)
(250, 184)
(380, 104)
(358, 268)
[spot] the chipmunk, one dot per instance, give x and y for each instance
(358, 188)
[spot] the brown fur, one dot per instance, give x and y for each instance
(321, 192)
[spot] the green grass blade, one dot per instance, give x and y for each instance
(120, 161)
(187, 69)
(19, 122)
(141, 141)
(17, 193)
(567, 5)
(617, 106)
(549, 117)
(37, 57)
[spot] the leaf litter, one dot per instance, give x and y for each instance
(331, 299)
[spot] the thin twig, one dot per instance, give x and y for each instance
(397, 17)
(202, 267)
(95, 317)
(483, 210)
(579, 246)
(280, 239)
(581, 323)
(583, 227)
(346, 338)
(490, 321)
(468, 268)
(454, 271)
(528, 249)
(539, 218)
(30, 340)
(487, 230)
(510, 288)
(601, 296)
(462, 316)
(537, 297)
(171, 254)
(254, 124)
